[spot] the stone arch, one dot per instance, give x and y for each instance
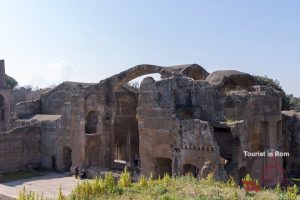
(132, 73)
(195, 72)
(189, 168)
(91, 101)
(91, 125)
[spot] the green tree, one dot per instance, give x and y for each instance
(10, 82)
(266, 81)
(294, 102)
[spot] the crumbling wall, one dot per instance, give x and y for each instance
(53, 100)
(27, 109)
(49, 130)
(5, 109)
(170, 126)
(20, 148)
(291, 141)
(63, 144)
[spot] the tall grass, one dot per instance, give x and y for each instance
(165, 188)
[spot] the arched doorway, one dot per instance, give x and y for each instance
(189, 168)
(67, 155)
(125, 140)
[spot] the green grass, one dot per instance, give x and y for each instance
(22, 174)
(167, 188)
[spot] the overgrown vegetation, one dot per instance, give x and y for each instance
(166, 188)
(10, 82)
(289, 102)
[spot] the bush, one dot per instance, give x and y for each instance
(292, 192)
(184, 187)
(10, 82)
(266, 81)
(125, 179)
(231, 182)
(142, 181)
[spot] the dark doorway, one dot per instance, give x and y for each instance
(242, 174)
(91, 122)
(163, 166)
(67, 159)
(188, 168)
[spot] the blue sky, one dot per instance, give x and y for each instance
(46, 42)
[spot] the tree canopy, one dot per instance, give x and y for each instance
(10, 82)
(289, 102)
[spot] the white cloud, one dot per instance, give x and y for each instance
(53, 73)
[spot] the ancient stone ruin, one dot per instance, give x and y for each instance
(190, 121)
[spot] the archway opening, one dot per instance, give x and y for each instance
(137, 81)
(91, 125)
(163, 166)
(67, 155)
(125, 124)
(190, 169)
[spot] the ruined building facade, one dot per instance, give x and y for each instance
(189, 121)
(5, 100)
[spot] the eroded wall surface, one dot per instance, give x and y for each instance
(20, 148)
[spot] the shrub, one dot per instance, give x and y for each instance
(142, 181)
(160, 189)
(125, 179)
(109, 183)
(231, 182)
(166, 179)
(210, 177)
(292, 192)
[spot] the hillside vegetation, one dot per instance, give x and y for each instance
(167, 188)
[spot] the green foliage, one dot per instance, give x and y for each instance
(166, 179)
(167, 188)
(235, 196)
(210, 177)
(292, 192)
(24, 195)
(109, 183)
(125, 179)
(266, 81)
(160, 189)
(142, 181)
(294, 102)
(278, 189)
(10, 82)
(231, 182)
